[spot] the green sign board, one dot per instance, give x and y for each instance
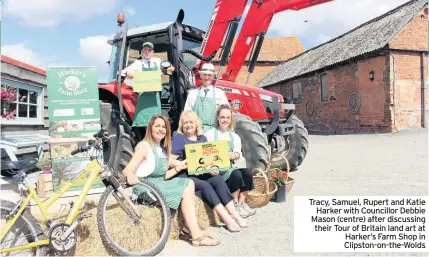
(74, 117)
(73, 94)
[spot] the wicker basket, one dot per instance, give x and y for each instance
(289, 184)
(263, 192)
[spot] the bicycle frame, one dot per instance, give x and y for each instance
(94, 168)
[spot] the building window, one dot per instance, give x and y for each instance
(297, 92)
(21, 104)
(324, 87)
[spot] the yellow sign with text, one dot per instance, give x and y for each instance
(206, 157)
(147, 81)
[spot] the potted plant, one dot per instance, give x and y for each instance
(45, 163)
(281, 178)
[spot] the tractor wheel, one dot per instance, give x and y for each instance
(253, 140)
(296, 146)
(109, 116)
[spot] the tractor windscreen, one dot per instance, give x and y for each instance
(189, 59)
(114, 60)
(160, 51)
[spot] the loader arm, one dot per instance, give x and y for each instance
(225, 12)
(256, 23)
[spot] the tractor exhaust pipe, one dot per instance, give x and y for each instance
(121, 20)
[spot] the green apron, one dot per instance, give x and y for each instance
(171, 189)
(226, 173)
(205, 108)
(148, 104)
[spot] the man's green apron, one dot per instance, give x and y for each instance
(148, 104)
(226, 173)
(205, 108)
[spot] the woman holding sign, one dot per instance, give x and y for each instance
(149, 102)
(240, 181)
(211, 188)
(151, 161)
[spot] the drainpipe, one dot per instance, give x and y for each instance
(422, 71)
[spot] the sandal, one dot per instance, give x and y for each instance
(234, 227)
(196, 242)
(241, 222)
(186, 234)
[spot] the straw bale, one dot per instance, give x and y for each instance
(89, 241)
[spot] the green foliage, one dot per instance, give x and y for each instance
(45, 161)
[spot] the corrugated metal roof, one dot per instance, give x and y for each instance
(370, 36)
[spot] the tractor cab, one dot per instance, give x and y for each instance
(168, 40)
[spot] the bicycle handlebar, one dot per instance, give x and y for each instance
(80, 150)
(102, 134)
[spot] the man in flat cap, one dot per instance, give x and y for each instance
(148, 103)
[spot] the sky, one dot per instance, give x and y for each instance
(48, 33)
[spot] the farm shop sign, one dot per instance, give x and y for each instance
(73, 82)
(72, 93)
(74, 117)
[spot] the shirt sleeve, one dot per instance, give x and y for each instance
(146, 167)
(190, 100)
(178, 145)
(135, 67)
(203, 139)
(157, 61)
(209, 135)
(237, 143)
(223, 99)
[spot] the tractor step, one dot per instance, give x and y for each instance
(286, 129)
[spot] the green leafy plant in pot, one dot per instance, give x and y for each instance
(45, 163)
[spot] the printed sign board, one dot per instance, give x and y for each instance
(147, 81)
(74, 117)
(205, 157)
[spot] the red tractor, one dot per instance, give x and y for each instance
(265, 122)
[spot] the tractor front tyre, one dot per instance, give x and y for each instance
(109, 113)
(296, 146)
(109, 117)
(253, 141)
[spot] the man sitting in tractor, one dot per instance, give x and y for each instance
(148, 103)
(206, 99)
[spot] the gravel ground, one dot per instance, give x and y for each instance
(366, 165)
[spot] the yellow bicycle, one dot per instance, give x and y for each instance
(20, 230)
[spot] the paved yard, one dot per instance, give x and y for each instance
(368, 165)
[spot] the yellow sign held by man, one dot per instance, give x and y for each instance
(206, 157)
(147, 81)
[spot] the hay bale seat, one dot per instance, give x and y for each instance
(89, 241)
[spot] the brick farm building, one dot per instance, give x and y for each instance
(371, 79)
(274, 51)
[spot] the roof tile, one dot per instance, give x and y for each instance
(370, 36)
(274, 49)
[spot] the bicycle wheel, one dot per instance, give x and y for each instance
(119, 232)
(25, 230)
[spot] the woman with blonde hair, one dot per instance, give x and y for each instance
(239, 180)
(151, 161)
(210, 187)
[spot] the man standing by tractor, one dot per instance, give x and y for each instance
(207, 98)
(148, 103)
